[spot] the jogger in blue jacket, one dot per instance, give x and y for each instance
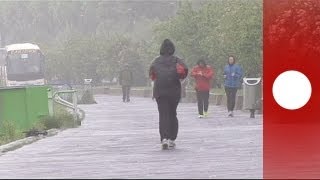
(232, 81)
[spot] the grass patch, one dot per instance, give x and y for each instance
(9, 132)
(62, 119)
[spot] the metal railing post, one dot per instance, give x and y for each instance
(73, 105)
(50, 102)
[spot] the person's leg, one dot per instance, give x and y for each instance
(206, 95)
(164, 117)
(123, 93)
(173, 118)
(202, 96)
(173, 122)
(233, 98)
(128, 93)
(200, 102)
(229, 100)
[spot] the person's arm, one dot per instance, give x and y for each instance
(225, 72)
(182, 69)
(239, 72)
(195, 72)
(152, 74)
(208, 73)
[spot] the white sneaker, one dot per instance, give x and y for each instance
(200, 116)
(230, 114)
(165, 144)
(171, 144)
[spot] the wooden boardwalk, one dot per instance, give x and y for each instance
(121, 140)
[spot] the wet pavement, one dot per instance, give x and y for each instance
(121, 140)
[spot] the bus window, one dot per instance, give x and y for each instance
(24, 63)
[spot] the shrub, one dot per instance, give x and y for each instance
(87, 98)
(9, 132)
(62, 119)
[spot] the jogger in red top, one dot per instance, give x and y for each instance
(203, 75)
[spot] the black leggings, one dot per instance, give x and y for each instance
(203, 101)
(126, 93)
(168, 121)
(231, 97)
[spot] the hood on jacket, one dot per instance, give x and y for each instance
(167, 48)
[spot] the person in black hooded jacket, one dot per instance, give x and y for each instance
(166, 71)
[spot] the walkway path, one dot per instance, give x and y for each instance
(121, 140)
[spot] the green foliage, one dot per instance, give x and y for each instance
(45, 21)
(95, 57)
(83, 39)
(62, 119)
(49, 123)
(87, 98)
(215, 30)
(8, 132)
(91, 39)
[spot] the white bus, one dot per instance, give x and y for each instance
(21, 65)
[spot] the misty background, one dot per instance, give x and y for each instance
(92, 39)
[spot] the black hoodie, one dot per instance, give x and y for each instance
(163, 71)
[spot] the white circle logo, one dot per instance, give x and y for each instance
(292, 90)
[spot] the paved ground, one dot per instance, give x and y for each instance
(121, 140)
